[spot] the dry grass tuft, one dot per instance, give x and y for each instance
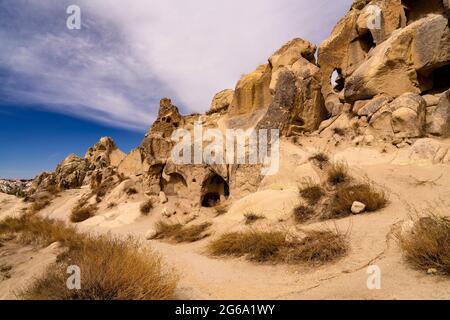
(192, 233)
(146, 207)
(427, 245)
(321, 157)
(338, 173)
(312, 192)
(316, 247)
(112, 269)
(82, 212)
(251, 217)
(339, 131)
(131, 191)
(303, 213)
(179, 233)
(38, 205)
(366, 193)
(221, 209)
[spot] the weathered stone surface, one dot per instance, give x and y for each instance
(404, 117)
(252, 91)
(132, 164)
(430, 150)
(438, 117)
(372, 106)
(358, 207)
(104, 153)
(402, 63)
(221, 101)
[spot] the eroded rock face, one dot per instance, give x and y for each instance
(252, 91)
(74, 172)
(221, 101)
(438, 117)
(403, 118)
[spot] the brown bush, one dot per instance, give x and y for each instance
(321, 157)
(428, 244)
(317, 247)
(366, 193)
(192, 233)
(303, 213)
(261, 246)
(258, 246)
(131, 191)
(38, 205)
(82, 212)
(251, 217)
(337, 173)
(146, 207)
(312, 192)
(111, 268)
(180, 233)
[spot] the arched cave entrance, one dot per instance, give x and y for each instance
(176, 185)
(213, 189)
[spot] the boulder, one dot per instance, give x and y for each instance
(430, 150)
(221, 101)
(372, 106)
(404, 117)
(438, 117)
(404, 62)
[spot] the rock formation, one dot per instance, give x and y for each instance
(383, 75)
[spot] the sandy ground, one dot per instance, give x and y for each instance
(409, 185)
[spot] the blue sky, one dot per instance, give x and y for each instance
(61, 90)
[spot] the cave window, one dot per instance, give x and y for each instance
(213, 190)
(367, 42)
(337, 81)
(440, 79)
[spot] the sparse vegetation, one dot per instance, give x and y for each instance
(82, 212)
(427, 245)
(113, 269)
(303, 213)
(131, 191)
(38, 205)
(337, 173)
(146, 207)
(366, 193)
(339, 131)
(321, 157)
(251, 217)
(180, 233)
(111, 205)
(312, 192)
(192, 233)
(316, 247)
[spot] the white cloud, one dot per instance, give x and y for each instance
(129, 54)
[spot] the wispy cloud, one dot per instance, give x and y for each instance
(129, 54)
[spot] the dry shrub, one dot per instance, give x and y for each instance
(146, 207)
(180, 233)
(192, 233)
(366, 193)
(321, 157)
(111, 205)
(427, 245)
(312, 192)
(39, 231)
(38, 205)
(262, 246)
(111, 268)
(131, 191)
(338, 173)
(303, 213)
(82, 212)
(165, 230)
(258, 246)
(339, 131)
(317, 247)
(251, 217)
